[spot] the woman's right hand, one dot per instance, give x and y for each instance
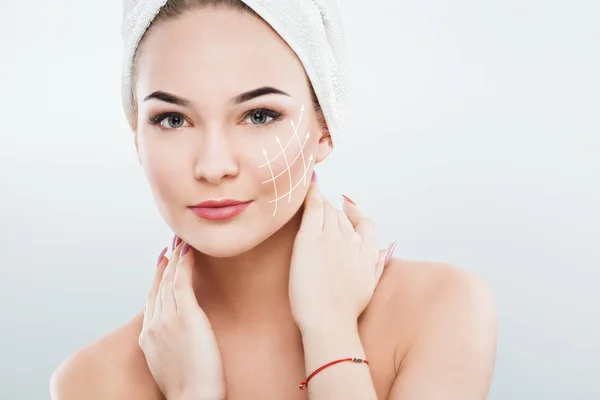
(177, 339)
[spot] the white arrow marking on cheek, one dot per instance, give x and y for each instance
(288, 144)
(293, 161)
(273, 179)
(287, 166)
(310, 159)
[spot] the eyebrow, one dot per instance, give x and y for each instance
(246, 96)
(262, 91)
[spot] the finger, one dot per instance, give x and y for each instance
(168, 301)
(313, 209)
(345, 225)
(384, 258)
(183, 289)
(157, 302)
(362, 225)
(160, 268)
(330, 217)
(176, 241)
(164, 304)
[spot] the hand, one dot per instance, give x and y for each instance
(335, 264)
(177, 338)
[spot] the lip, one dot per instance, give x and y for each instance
(215, 210)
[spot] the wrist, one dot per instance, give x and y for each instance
(330, 329)
(330, 343)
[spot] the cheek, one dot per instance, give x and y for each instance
(283, 165)
(160, 167)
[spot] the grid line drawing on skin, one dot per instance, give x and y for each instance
(287, 166)
(287, 163)
(310, 159)
(292, 163)
(273, 179)
(290, 142)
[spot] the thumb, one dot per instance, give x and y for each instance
(183, 290)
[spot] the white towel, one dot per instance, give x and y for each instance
(312, 28)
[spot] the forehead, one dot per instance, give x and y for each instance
(216, 48)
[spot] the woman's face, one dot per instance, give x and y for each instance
(198, 139)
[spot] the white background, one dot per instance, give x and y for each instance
(474, 140)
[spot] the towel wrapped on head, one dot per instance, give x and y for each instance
(312, 28)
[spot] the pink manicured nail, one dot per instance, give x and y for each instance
(314, 177)
(390, 252)
(176, 241)
(162, 254)
(184, 249)
(348, 199)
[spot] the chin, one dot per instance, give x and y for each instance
(224, 246)
(230, 240)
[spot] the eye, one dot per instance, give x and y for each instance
(261, 116)
(169, 121)
(173, 121)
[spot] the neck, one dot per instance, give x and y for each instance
(251, 287)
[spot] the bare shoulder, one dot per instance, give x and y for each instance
(111, 368)
(419, 300)
(427, 282)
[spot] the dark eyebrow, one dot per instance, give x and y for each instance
(167, 97)
(257, 93)
(171, 98)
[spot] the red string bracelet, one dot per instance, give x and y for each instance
(353, 359)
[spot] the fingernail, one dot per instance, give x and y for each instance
(390, 252)
(176, 241)
(348, 199)
(162, 254)
(314, 177)
(184, 249)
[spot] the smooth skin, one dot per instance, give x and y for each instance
(263, 284)
(334, 270)
(177, 339)
(431, 338)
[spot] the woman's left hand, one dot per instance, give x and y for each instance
(335, 264)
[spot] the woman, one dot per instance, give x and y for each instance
(269, 291)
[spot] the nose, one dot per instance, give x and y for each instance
(215, 159)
